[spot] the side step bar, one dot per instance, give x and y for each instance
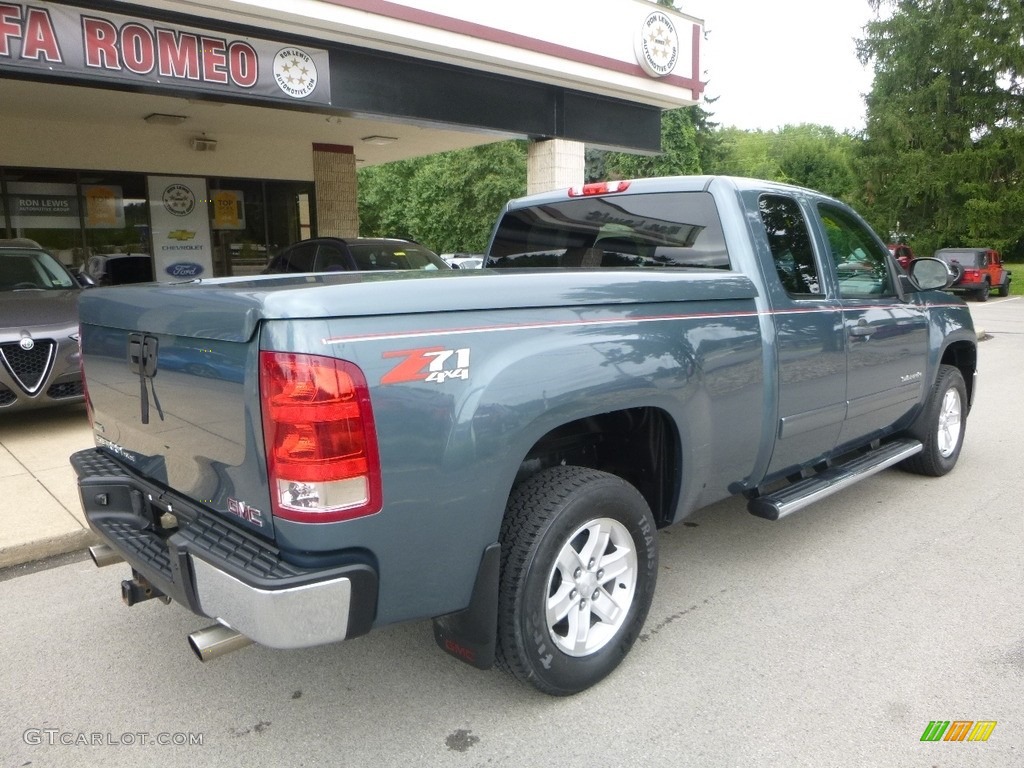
(788, 500)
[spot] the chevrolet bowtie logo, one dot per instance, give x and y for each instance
(181, 234)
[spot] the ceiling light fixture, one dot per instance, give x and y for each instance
(158, 118)
(380, 141)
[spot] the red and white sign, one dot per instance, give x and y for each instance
(60, 41)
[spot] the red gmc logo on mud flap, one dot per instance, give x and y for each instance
(435, 364)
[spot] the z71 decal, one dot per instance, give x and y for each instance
(435, 364)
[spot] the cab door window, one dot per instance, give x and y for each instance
(861, 262)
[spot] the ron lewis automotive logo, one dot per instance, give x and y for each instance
(657, 45)
(295, 72)
(179, 200)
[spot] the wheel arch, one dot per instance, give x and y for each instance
(963, 355)
(642, 445)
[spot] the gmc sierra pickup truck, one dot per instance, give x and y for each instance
(304, 458)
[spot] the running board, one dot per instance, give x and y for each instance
(794, 497)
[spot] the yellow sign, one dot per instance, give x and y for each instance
(228, 209)
(102, 206)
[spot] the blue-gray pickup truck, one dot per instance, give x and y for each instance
(304, 458)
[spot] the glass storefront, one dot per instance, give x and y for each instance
(85, 217)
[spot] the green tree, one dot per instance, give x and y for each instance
(814, 156)
(448, 201)
(944, 149)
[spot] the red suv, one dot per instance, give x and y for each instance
(976, 271)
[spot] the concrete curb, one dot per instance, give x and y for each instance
(21, 554)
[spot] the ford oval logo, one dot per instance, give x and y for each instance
(185, 269)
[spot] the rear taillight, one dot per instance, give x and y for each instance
(321, 442)
(971, 276)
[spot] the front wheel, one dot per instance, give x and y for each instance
(1004, 288)
(940, 426)
(579, 565)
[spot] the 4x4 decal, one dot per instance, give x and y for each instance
(435, 364)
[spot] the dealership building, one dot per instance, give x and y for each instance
(205, 134)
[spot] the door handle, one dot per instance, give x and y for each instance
(862, 329)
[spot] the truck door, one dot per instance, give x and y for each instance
(886, 337)
(810, 338)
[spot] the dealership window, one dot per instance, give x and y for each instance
(82, 216)
(250, 220)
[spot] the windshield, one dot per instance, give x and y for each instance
(678, 229)
(395, 256)
(32, 270)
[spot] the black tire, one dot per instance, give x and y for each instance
(550, 520)
(1004, 288)
(958, 272)
(940, 426)
(983, 292)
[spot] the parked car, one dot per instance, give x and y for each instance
(464, 260)
(345, 254)
(976, 271)
(903, 253)
(39, 357)
(120, 268)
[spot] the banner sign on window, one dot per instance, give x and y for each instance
(104, 206)
(59, 41)
(181, 228)
(228, 209)
(43, 205)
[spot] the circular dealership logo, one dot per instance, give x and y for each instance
(26, 343)
(657, 45)
(179, 200)
(295, 72)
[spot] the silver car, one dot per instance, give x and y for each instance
(39, 357)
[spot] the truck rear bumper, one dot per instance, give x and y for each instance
(218, 570)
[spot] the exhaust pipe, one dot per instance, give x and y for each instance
(103, 555)
(215, 641)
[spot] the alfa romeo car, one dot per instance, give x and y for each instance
(39, 357)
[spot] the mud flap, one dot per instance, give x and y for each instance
(470, 635)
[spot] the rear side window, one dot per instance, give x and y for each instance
(789, 240)
(658, 230)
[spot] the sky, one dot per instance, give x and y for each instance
(778, 62)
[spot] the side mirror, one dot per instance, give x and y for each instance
(83, 279)
(931, 274)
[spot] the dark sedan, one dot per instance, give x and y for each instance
(39, 357)
(345, 254)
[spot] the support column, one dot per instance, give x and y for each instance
(554, 164)
(334, 181)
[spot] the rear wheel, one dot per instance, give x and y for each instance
(579, 565)
(940, 426)
(983, 292)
